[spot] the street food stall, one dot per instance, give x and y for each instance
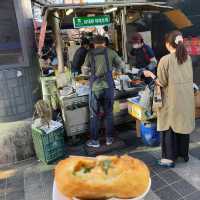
(72, 92)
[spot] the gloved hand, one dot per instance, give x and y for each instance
(141, 72)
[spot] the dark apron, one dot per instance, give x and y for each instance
(107, 75)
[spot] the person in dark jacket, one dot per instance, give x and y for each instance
(144, 56)
(79, 56)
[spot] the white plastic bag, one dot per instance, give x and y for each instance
(146, 97)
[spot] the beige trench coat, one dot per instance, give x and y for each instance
(177, 111)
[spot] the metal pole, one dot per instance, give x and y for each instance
(124, 34)
(58, 41)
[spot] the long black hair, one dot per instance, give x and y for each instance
(174, 38)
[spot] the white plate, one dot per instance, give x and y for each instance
(58, 196)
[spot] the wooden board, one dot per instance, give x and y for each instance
(178, 18)
(138, 122)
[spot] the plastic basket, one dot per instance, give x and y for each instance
(150, 135)
(49, 147)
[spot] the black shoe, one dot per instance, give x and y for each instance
(186, 158)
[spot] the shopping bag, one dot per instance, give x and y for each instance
(146, 98)
(157, 98)
(42, 112)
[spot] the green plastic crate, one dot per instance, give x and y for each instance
(49, 147)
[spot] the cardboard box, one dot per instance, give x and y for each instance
(197, 104)
(137, 111)
(197, 99)
(197, 113)
(138, 123)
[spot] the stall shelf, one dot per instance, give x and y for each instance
(75, 111)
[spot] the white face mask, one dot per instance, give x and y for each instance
(137, 46)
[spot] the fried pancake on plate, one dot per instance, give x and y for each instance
(102, 177)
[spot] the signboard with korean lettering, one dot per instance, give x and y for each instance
(82, 22)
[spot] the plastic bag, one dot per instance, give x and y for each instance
(157, 98)
(146, 98)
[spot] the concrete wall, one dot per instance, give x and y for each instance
(16, 142)
(19, 69)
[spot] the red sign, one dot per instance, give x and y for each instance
(74, 1)
(35, 25)
(42, 33)
(192, 45)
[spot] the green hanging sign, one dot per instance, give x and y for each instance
(83, 22)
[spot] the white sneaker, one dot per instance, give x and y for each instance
(93, 143)
(109, 141)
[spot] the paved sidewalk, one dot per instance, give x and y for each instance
(33, 181)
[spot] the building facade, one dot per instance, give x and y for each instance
(19, 70)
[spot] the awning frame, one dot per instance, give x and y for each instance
(123, 6)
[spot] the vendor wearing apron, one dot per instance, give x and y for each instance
(144, 56)
(101, 61)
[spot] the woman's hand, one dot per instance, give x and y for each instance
(149, 74)
(158, 83)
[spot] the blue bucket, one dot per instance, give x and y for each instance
(149, 134)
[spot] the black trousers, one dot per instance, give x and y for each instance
(104, 101)
(174, 145)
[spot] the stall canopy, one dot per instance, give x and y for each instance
(77, 13)
(95, 9)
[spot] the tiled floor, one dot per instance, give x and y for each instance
(33, 180)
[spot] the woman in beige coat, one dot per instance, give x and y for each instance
(176, 119)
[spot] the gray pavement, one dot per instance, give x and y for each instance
(33, 180)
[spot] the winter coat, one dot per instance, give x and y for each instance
(178, 110)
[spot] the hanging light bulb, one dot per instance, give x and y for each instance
(70, 11)
(109, 10)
